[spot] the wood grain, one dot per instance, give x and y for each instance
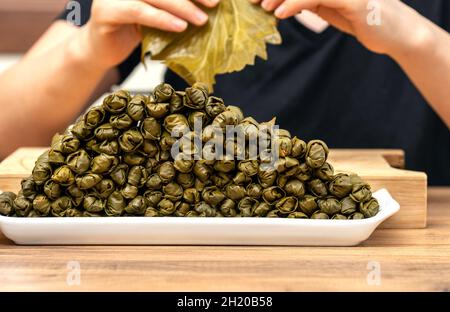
(409, 260)
(407, 187)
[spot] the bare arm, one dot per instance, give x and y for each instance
(50, 86)
(420, 47)
(46, 90)
(427, 64)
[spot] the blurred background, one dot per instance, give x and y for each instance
(23, 21)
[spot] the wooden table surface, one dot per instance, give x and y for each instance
(392, 259)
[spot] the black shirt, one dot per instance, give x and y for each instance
(329, 86)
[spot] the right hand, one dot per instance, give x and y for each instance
(112, 32)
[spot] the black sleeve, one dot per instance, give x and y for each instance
(127, 66)
(446, 15)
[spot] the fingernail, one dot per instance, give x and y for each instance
(214, 2)
(280, 11)
(265, 5)
(201, 17)
(179, 24)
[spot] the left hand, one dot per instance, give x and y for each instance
(399, 27)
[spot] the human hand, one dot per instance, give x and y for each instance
(112, 32)
(382, 26)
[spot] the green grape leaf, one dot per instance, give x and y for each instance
(237, 31)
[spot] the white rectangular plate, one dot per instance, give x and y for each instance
(196, 231)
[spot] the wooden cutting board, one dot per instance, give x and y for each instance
(381, 168)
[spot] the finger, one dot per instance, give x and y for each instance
(208, 3)
(270, 5)
(184, 9)
(137, 12)
(291, 7)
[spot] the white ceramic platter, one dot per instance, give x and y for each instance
(196, 231)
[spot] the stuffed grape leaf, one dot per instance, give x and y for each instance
(237, 31)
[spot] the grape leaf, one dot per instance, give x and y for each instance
(237, 31)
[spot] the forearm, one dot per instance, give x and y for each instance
(426, 60)
(49, 87)
(45, 91)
